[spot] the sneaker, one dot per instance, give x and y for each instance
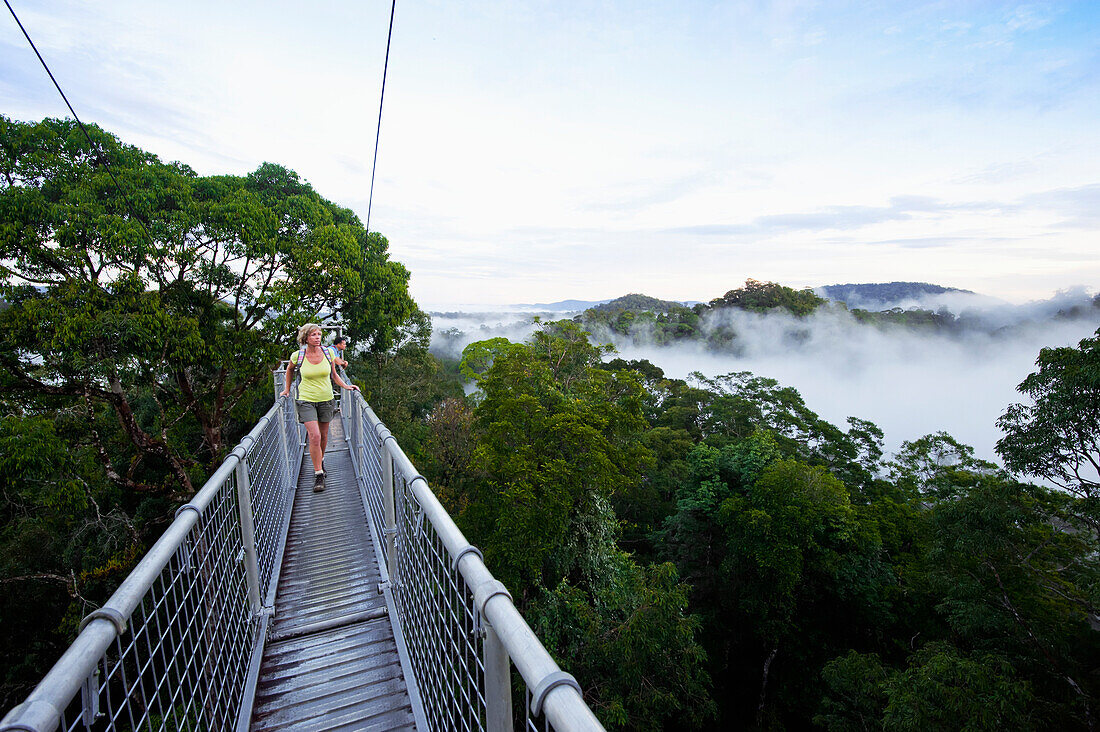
(318, 482)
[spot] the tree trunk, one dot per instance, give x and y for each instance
(764, 686)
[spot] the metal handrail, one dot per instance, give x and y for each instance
(211, 538)
(179, 644)
(552, 694)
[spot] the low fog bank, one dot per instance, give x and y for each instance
(453, 331)
(908, 380)
(981, 312)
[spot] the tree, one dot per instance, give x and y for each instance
(942, 688)
(787, 537)
(761, 297)
(1057, 435)
(739, 403)
(138, 330)
(556, 440)
(168, 301)
(1012, 575)
(553, 452)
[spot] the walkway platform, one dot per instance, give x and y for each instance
(331, 660)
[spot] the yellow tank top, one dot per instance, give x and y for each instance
(316, 384)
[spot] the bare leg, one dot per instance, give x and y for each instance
(316, 448)
(323, 427)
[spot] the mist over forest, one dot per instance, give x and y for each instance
(712, 554)
(955, 369)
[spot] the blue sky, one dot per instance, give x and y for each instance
(537, 151)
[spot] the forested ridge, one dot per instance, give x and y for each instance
(642, 320)
(701, 554)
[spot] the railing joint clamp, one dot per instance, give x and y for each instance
(495, 587)
(390, 531)
(106, 613)
(468, 549)
(550, 682)
(188, 507)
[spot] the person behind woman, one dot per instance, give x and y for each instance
(315, 403)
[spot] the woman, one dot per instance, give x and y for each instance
(315, 402)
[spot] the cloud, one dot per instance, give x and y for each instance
(838, 218)
(1080, 206)
(1000, 172)
(909, 381)
(928, 242)
(642, 195)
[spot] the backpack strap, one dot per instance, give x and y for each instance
(302, 357)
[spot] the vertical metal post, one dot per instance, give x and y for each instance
(498, 686)
(388, 506)
(352, 417)
(248, 535)
(297, 422)
(285, 451)
(357, 430)
(89, 696)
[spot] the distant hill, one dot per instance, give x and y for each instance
(561, 305)
(639, 303)
(884, 294)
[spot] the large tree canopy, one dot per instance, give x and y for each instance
(139, 324)
(1057, 435)
(168, 296)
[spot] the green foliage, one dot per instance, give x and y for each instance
(1009, 580)
(945, 689)
(793, 522)
(168, 303)
(1057, 435)
(942, 688)
(636, 302)
(550, 445)
(760, 297)
(737, 404)
(934, 463)
(479, 356)
(64, 536)
(855, 693)
(634, 634)
(137, 338)
(555, 441)
(405, 383)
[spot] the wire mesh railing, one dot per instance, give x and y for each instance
(178, 645)
(461, 631)
(174, 647)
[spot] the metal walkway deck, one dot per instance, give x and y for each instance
(267, 606)
(331, 661)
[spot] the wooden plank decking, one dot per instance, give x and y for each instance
(331, 661)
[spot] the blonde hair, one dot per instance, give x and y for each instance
(305, 330)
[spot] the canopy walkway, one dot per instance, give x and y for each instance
(266, 606)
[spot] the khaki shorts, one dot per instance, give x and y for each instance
(315, 411)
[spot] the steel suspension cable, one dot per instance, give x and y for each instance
(381, 99)
(106, 163)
